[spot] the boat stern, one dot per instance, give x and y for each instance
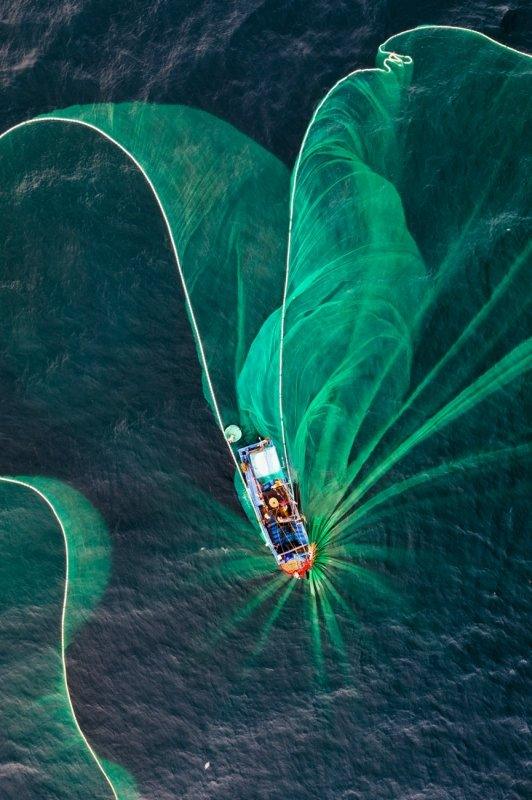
(298, 565)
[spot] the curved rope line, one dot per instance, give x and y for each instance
(148, 180)
(55, 514)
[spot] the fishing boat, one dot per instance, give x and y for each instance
(282, 524)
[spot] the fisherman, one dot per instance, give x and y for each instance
(279, 489)
(264, 513)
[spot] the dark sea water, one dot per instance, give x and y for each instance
(100, 387)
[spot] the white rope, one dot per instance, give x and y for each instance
(63, 620)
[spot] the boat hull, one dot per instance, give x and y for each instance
(277, 512)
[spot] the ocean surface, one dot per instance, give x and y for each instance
(188, 675)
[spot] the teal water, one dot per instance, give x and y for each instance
(404, 670)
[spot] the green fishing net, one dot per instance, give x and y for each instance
(408, 273)
(372, 314)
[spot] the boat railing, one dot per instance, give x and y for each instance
(302, 547)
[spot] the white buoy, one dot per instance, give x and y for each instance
(233, 434)
(207, 765)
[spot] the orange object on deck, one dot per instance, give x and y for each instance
(297, 569)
